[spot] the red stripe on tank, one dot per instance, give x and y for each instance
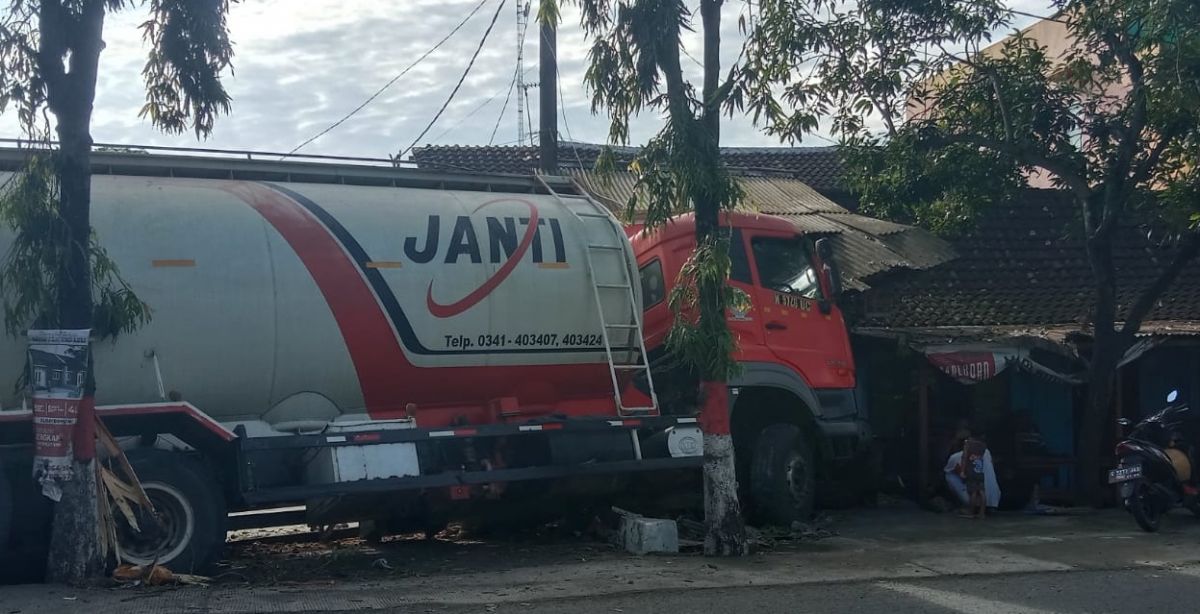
(370, 340)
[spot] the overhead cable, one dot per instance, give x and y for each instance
(457, 86)
(389, 84)
(504, 108)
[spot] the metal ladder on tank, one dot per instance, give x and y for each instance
(589, 213)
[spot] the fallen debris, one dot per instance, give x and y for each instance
(131, 576)
(640, 535)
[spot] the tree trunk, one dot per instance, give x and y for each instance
(726, 529)
(75, 543)
(75, 553)
(1106, 353)
(1102, 375)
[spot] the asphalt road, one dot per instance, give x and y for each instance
(1140, 591)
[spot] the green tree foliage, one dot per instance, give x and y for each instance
(55, 275)
(28, 282)
(1114, 123)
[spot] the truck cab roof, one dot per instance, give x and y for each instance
(685, 225)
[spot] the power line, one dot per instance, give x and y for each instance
(457, 86)
(528, 117)
(511, 85)
(381, 90)
(520, 142)
(475, 110)
(562, 105)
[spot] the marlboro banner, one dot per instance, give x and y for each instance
(58, 361)
(971, 366)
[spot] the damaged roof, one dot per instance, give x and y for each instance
(801, 184)
(819, 167)
(1025, 264)
(866, 247)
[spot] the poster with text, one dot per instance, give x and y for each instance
(58, 362)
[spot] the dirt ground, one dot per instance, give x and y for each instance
(294, 555)
(895, 542)
(269, 557)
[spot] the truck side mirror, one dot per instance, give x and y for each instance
(829, 268)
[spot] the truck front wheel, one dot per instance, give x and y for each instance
(782, 476)
(189, 536)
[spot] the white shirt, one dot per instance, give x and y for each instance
(991, 487)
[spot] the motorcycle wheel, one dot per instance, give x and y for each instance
(1144, 510)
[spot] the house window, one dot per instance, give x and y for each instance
(39, 378)
(653, 286)
(784, 266)
(1075, 134)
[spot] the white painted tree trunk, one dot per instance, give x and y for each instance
(75, 541)
(726, 534)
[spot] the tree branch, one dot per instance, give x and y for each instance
(52, 48)
(1144, 169)
(1075, 181)
(1145, 302)
(1005, 119)
(1117, 184)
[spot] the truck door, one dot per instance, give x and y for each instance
(659, 272)
(747, 327)
(802, 327)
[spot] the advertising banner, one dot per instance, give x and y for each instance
(970, 367)
(58, 362)
(974, 366)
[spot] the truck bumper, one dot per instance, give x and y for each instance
(843, 424)
(847, 439)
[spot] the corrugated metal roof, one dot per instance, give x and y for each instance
(778, 196)
(866, 246)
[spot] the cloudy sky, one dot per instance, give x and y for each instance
(300, 65)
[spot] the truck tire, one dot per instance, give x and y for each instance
(191, 507)
(782, 476)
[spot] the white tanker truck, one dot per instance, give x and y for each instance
(374, 343)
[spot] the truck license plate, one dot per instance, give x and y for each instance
(1124, 474)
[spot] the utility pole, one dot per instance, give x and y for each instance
(548, 98)
(522, 88)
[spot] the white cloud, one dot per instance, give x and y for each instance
(301, 65)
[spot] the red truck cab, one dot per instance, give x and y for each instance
(796, 417)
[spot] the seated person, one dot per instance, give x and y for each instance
(957, 484)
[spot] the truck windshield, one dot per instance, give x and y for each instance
(784, 266)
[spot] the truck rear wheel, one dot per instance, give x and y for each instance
(190, 534)
(782, 476)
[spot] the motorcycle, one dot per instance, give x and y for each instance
(1154, 473)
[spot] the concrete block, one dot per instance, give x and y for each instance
(644, 535)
